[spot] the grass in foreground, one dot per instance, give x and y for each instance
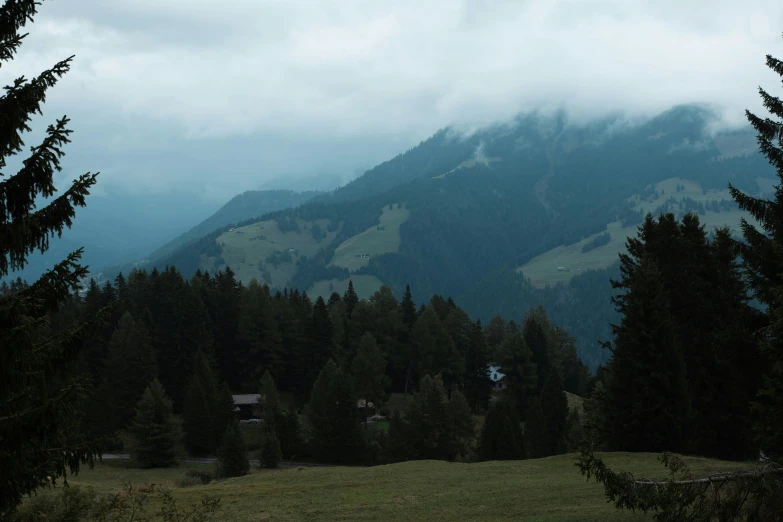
(542, 490)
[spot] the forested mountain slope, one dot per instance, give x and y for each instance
(240, 208)
(459, 215)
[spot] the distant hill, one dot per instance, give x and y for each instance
(252, 203)
(489, 217)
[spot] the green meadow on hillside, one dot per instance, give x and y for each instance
(247, 248)
(382, 238)
(542, 490)
(543, 269)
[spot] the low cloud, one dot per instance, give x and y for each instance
(158, 83)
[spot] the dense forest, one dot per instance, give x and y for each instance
(177, 330)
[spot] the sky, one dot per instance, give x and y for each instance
(214, 98)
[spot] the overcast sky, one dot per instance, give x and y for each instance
(217, 97)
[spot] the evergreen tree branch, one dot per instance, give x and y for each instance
(22, 237)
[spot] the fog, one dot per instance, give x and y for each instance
(214, 98)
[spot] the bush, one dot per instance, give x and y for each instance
(70, 504)
(186, 481)
(201, 474)
(375, 446)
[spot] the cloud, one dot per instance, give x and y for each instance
(162, 78)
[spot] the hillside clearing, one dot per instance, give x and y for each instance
(543, 269)
(382, 238)
(246, 249)
(543, 490)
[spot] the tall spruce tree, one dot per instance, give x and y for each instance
(554, 406)
(647, 401)
(478, 385)
(232, 453)
(501, 434)
(38, 409)
(368, 370)
(154, 431)
(755, 493)
(332, 417)
(200, 410)
(130, 367)
(350, 298)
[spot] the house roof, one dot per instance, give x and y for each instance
(247, 398)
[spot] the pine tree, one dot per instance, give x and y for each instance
(226, 412)
(478, 385)
(38, 409)
(270, 454)
(153, 431)
(269, 401)
(462, 427)
(368, 369)
(535, 431)
(332, 417)
(647, 399)
(200, 410)
(762, 259)
(535, 339)
(232, 453)
(350, 298)
(130, 367)
(429, 420)
(501, 434)
(408, 308)
(554, 406)
(520, 370)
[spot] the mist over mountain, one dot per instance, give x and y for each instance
(490, 216)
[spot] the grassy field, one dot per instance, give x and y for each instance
(542, 490)
(363, 285)
(542, 270)
(245, 249)
(373, 241)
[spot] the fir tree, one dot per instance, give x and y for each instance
(520, 370)
(554, 406)
(535, 431)
(270, 454)
(408, 308)
(478, 385)
(130, 368)
(535, 339)
(232, 453)
(429, 418)
(226, 412)
(200, 411)
(368, 369)
(38, 408)
(153, 431)
(501, 434)
(647, 399)
(350, 298)
(462, 427)
(332, 417)
(762, 259)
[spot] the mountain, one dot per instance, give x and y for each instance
(508, 217)
(116, 227)
(250, 204)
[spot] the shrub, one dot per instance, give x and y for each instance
(70, 504)
(203, 475)
(186, 481)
